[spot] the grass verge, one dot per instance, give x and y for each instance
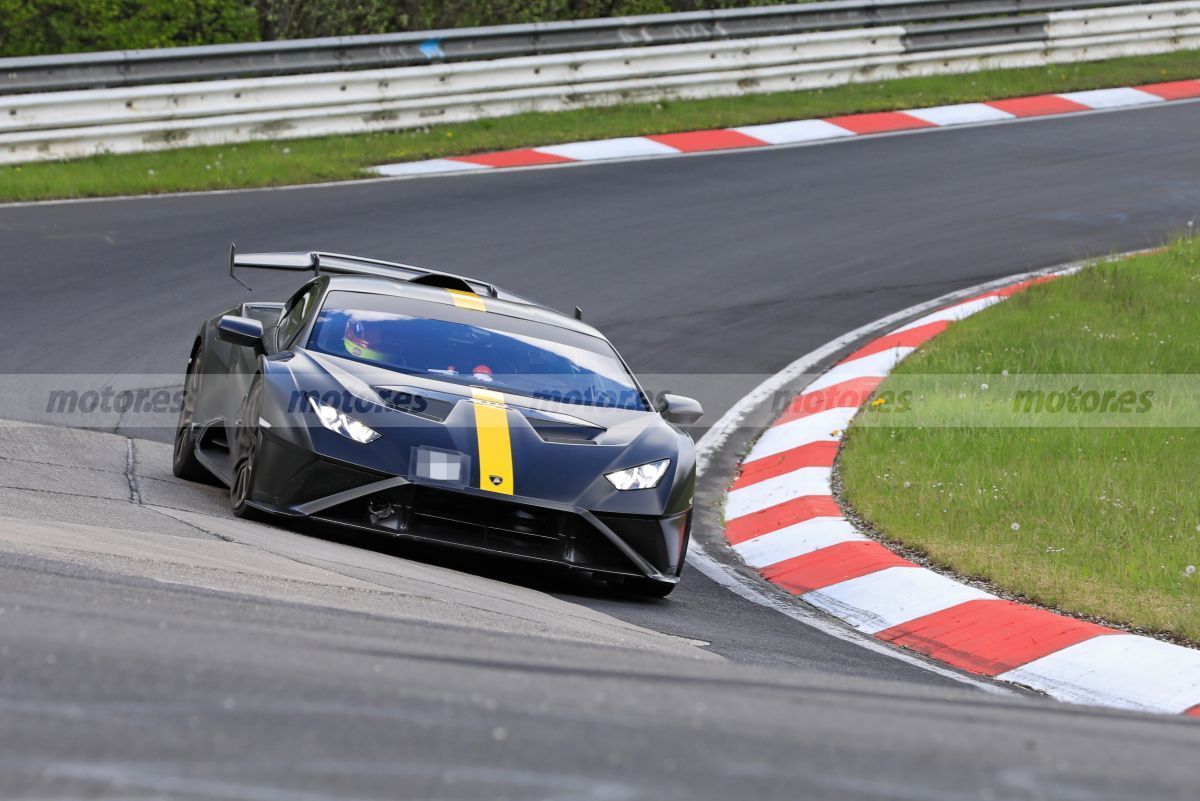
(1094, 513)
(335, 158)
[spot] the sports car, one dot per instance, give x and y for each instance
(425, 405)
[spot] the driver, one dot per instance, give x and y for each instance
(374, 340)
(363, 339)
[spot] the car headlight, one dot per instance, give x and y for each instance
(343, 424)
(644, 476)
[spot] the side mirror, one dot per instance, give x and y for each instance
(680, 410)
(241, 331)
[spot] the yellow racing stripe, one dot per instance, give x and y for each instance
(467, 300)
(495, 445)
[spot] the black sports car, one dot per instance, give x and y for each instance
(426, 405)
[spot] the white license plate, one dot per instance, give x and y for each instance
(433, 464)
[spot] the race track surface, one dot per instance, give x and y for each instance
(134, 681)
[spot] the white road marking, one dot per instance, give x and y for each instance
(428, 167)
(796, 540)
(960, 114)
(786, 133)
(1121, 670)
(819, 427)
(1122, 97)
(892, 596)
(776, 490)
(604, 149)
(873, 366)
(953, 314)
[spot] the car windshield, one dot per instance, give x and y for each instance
(504, 354)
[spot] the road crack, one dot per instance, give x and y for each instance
(135, 493)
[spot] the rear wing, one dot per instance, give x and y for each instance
(317, 263)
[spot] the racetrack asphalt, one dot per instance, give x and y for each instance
(731, 263)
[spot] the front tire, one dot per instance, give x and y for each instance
(184, 463)
(245, 453)
(240, 489)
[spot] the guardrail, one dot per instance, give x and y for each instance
(78, 123)
(257, 59)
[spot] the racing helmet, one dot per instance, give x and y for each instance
(363, 339)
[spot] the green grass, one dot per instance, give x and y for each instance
(1106, 507)
(342, 157)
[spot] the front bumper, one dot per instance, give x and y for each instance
(464, 517)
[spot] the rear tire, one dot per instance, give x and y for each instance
(184, 463)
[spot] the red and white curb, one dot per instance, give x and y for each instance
(783, 520)
(802, 131)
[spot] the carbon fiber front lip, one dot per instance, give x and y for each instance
(657, 576)
(312, 510)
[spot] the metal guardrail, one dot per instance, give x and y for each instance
(975, 33)
(956, 23)
(431, 85)
(60, 125)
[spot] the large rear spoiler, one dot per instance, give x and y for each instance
(317, 262)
